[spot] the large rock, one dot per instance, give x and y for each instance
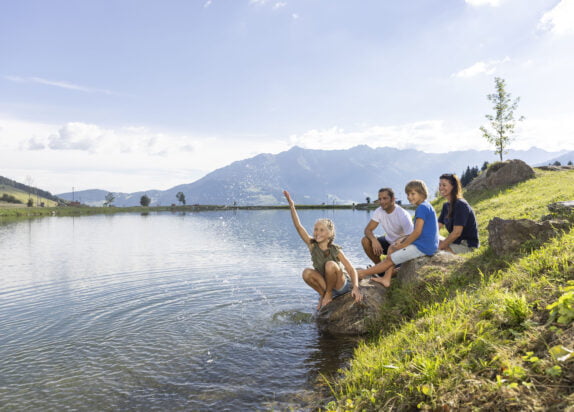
(415, 270)
(505, 236)
(345, 317)
(502, 174)
(562, 208)
(552, 168)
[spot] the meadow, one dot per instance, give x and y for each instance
(491, 333)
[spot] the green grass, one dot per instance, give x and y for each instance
(23, 197)
(476, 336)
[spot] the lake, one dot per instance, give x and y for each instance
(185, 311)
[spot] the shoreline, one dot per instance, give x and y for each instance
(31, 212)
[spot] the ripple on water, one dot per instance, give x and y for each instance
(180, 332)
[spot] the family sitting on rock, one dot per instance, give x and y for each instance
(333, 275)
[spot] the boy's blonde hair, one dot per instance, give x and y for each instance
(418, 186)
(330, 225)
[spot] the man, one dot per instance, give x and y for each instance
(395, 221)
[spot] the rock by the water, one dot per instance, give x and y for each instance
(502, 174)
(345, 317)
(506, 236)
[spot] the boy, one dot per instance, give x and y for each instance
(422, 241)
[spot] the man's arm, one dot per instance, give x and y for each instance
(375, 244)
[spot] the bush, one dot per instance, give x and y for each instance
(9, 198)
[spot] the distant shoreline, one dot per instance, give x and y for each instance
(30, 212)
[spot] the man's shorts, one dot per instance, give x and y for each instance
(384, 243)
(405, 254)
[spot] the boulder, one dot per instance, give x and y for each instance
(413, 270)
(562, 208)
(502, 174)
(505, 236)
(552, 168)
(345, 317)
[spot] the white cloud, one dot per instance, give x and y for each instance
(428, 136)
(134, 158)
(482, 67)
(275, 4)
(60, 84)
(559, 20)
(478, 3)
(207, 3)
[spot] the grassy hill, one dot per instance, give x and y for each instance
(23, 197)
(480, 336)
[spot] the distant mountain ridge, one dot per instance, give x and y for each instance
(317, 176)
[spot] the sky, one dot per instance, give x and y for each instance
(133, 95)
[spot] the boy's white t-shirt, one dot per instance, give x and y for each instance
(395, 224)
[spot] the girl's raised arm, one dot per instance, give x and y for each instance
(296, 222)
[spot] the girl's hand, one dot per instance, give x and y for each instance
(356, 293)
(288, 197)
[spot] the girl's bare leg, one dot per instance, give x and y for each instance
(333, 279)
(317, 282)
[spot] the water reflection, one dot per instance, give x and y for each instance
(196, 311)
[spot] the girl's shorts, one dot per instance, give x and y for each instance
(346, 288)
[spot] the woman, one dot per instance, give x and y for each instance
(457, 216)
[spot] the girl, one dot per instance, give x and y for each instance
(331, 269)
(422, 241)
(457, 216)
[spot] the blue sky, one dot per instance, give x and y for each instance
(129, 95)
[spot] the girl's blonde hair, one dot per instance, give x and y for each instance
(330, 225)
(418, 186)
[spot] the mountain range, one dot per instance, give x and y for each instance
(318, 176)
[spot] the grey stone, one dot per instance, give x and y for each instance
(502, 174)
(566, 207)
(342, 316)
(505, 236)
(552, 168)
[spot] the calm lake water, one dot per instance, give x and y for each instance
(196, 311)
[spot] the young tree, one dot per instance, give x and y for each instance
(145, 201)
(180, 197)
(502, 122)
(110, 197)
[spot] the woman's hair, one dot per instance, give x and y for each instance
(456, 192)
(330, 226)
(418, 186)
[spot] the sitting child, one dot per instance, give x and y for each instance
(422, 241)
(331, 269)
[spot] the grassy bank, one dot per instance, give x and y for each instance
(480, 335)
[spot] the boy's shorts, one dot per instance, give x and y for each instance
(405, 254)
